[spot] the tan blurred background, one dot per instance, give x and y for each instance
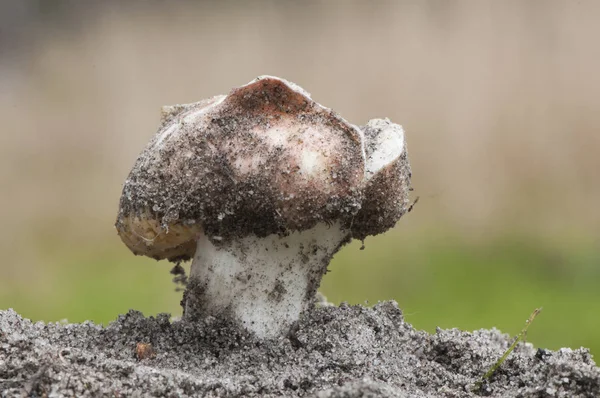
(500, 101)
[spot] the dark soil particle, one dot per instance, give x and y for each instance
(346, 351)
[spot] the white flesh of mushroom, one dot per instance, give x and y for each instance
(385, 147)
(264, 282)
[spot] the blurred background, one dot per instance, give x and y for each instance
(500, 101)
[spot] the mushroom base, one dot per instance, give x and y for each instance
(263, 284)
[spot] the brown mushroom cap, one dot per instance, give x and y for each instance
(265, 159)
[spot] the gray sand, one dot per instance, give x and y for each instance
(346, 351)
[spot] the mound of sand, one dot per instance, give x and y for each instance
(346, 351)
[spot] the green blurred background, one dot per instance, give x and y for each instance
(500, 101)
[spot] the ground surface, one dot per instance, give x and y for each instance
(335, 352)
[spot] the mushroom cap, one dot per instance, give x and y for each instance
(265, 159)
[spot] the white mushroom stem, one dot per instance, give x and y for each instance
(262, 283)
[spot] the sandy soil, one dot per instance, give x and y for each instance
(346, 351)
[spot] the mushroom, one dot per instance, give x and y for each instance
(260, 188)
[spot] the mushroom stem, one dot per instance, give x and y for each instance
(263, 284)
